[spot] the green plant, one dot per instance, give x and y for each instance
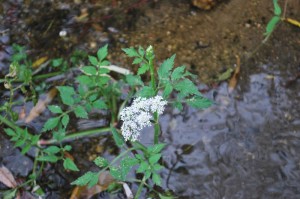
(95, 89)
(273, 21)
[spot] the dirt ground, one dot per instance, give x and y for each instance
(208, 41)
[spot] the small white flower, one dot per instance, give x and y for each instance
(138, 115)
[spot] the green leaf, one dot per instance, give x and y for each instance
(141, 51)
(34, 139)
(104, 70)
(93, 60)
(146, 91)
(80, 112)
(26, 148)
(102, 53)
(168, 90)
(10, 132)
(55, 109)
(199, 102)
(51, 124)
(165, 68)
(89, 70)
(115, 172)
(147, 174)
(10, 194)
(156, 179)
(134, 80)
(67, 148)
(154, 158)
(277, 9)
(101, 162)
(66, 94)
(70, 165)
(118, 138)
(186, 87)
(178, 105)
(157, 167)
(94, 180)
(49, 158)
(143, 69)
(156, 148)
(105, 63)
(137, 60)
(226, 75)
(65, 120)
(83, 79)
(99, 104)
(177, 73)
(57, 62)
(143, 167)
(271, 25)
(126, 164)
(52, 150)
(130, 52)
(85, 179)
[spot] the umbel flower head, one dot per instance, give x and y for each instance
(138, 115)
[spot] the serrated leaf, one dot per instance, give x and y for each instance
(277, 9)
(146, 92)
(55, 109)
(126, 164)
(102, 52)
(101, 162)
(84, 180)
(80, 112)
(157, 167)
(199, 102)
(137, 60)
(65, 120)
(99, 104)
(147, 174)
(89, 70)
(10, 132)
(105, 63)
(177, 73)
(116, 173)
(49, 158)
(134, 80)
(178, 105)
(83, 79)
(52, 150)
(143, 167)
(66, 94)
(70, 165)
(154, 158)
(165, 68)
(141, 51)
(93, 181)
(186, 87)
(156, 148)
(51, 124)
(156, 179)
(25, 149)
(93, 60)
(271, 25)
(143, 69)
(34, 139)
(104, 70)
(168, 90)
(118, 138)
(130, 52)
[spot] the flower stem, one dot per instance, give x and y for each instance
(156, 128)
(152, 74)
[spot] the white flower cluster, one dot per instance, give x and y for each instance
(138, 115)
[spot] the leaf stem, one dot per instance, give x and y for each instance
(138, 193)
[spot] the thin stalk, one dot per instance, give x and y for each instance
(9, 123)
(156, 128)
(152, 74)
(138, 193)
(76, 135)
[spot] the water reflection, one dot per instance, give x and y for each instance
(244, 147)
